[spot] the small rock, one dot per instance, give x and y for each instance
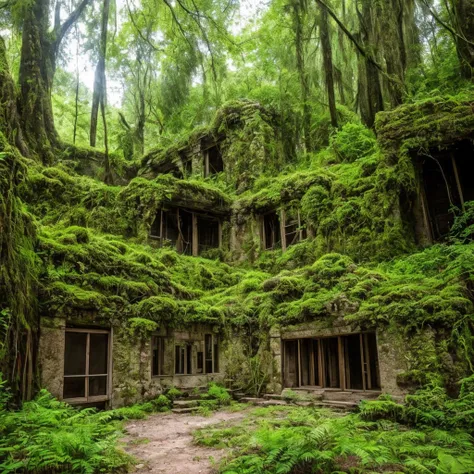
(140, 466)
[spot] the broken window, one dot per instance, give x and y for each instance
(271, 233)
(211, 354)
(174, 227)
(213, 162)
(183, 356)
(158, 356)
(208, 233)
(86, 368)
(294, 230)
(343, 362)
(447, 184)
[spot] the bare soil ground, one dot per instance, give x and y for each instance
(164, 443)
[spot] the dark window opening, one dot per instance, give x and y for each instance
(271, 231)
(330, 351)
(183, 364)
(309, 362)
(158, 356)
(200, 362)
(86, 368)
(211, 356)
(208, 233)
(213, 162)
(174, 227)
(447, 184)
(343, 362)
(353, 355)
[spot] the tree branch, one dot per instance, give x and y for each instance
(73, 17)
(351, 37)
(445, 25)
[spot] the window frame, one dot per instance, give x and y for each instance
(87, 375)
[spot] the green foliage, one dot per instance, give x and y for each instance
(292, 440)
(50, 436)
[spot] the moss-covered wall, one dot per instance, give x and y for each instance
(361, 263)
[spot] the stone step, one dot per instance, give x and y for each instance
(185, 403)
(183, 411)
(272, 396)
(349, 396)
(262, 401)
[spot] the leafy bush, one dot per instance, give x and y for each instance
(48, 436)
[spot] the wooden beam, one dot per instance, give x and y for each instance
(195, 236)
(299, 362)
(282, 230)
(364, 384)
(88, 346)
(458, 181)
(367, 361)
(340, 348)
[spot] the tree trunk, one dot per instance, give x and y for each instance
(464, 11)
(369, 87)
(298, 21)
(99, 79)
(328, 66)
(39, 51)
(37, 66)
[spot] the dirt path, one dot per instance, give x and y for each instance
(164, 443)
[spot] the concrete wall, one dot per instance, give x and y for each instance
(51, 354)
(132, 379)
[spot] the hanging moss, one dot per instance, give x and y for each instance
(18, 272)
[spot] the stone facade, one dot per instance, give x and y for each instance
(129, 378)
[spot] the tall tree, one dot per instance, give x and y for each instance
(39, 53)
(328, 64)
(99, 94)
(464, 38)
(298, 8)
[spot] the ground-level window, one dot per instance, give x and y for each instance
(183, 359)
(271, 231)
(211, 354)
(86, 365)
(208, 233)
(343, 362)
(158, 356)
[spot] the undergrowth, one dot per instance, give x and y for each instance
(303, 440)
(48, 436)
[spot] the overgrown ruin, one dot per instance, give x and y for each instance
(113, 340)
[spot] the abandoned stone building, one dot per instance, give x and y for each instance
(87, 361)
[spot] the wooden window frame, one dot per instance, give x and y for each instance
(285, 225)
(87, 398)
(343, 368)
